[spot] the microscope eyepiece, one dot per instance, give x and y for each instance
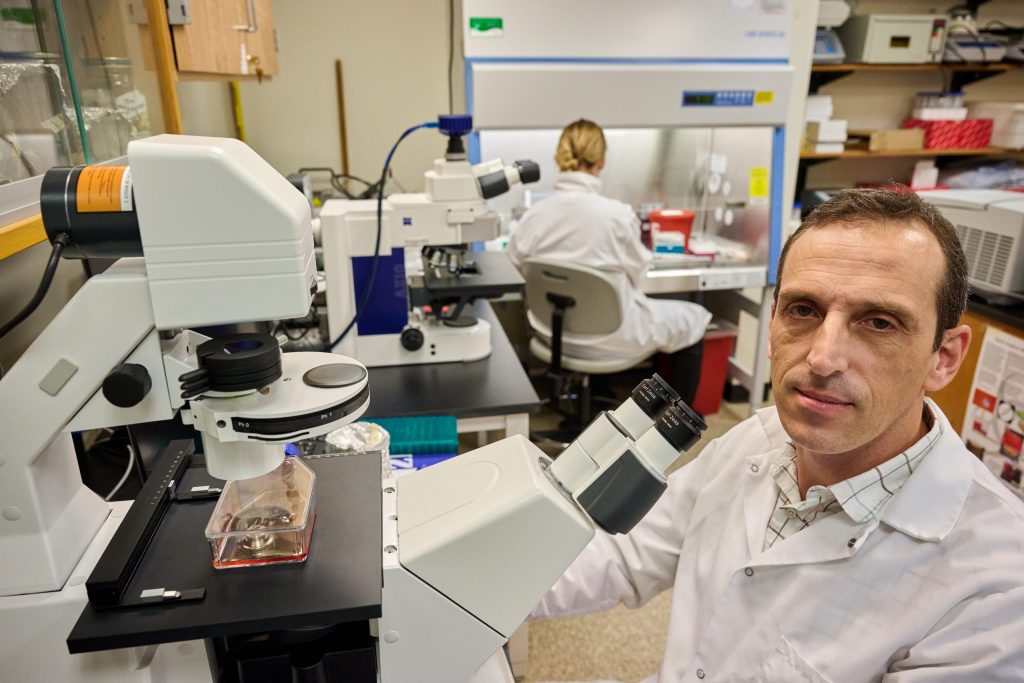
(529, 171)
(654, 395)
(680, 426)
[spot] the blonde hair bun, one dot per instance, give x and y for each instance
(582, 145)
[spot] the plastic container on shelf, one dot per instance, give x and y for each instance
(264, 520)
(36, 129)
(939, 113)
(421, 435)
(671, 229)
(115, 112)
(1007, 122)
(939, 100)
(363, 437)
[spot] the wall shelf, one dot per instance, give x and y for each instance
(956, 75)
(865, 154)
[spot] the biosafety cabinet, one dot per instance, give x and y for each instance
(693, 98)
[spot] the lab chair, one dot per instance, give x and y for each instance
(579, 300)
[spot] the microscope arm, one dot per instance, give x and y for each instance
(473, 543)
(49, 515)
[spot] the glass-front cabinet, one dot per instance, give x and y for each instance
(73, 88)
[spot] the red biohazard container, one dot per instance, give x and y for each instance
(673, 220)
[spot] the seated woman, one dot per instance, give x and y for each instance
(579, 225)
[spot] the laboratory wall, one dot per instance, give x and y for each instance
(394, 57)
(206, 108)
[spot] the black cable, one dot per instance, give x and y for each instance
(51, 267)
(1003, 24)
(283, 326)
(346, 176)
(336, 184)
(376, 245)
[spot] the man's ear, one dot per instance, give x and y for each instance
(771, 321)
(948, 358)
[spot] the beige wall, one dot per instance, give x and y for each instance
(394, 54)
(206, 108)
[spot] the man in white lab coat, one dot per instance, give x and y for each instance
(845, 534)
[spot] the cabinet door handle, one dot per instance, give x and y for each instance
(254, 60)
(250, 16)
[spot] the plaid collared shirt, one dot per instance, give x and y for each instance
(861, 497)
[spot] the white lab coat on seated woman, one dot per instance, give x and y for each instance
(578, 225)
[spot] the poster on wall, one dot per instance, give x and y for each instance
(994, 422)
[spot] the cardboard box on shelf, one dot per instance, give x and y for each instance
(895, 139)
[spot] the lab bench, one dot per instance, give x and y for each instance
(489, 394)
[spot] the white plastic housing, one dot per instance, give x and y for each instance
(476, 517)
(990, 224)
(234, 450)
(422, 634)
(226, 238)
(47, 516)
(664, 29)
(526, 95)
(409, 221)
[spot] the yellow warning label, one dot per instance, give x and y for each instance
(100, 189)
(758, 185)
(764, 97)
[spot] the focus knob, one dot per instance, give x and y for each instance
(127, 385)
(412, 339)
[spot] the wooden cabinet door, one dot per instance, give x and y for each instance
(217, 42)
(261, 44)
(212, 43)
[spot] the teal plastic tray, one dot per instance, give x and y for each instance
(421, 435)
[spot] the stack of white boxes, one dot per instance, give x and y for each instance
(1007, 122)
(822, 133)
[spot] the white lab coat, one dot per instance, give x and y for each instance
(578, 225)
(932, 592)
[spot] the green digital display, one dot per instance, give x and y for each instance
(699, 98)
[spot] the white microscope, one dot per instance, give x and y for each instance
(223, 238)
(408, 253)
(469, 546)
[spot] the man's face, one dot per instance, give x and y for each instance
(851, 337)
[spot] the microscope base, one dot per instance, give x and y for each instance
(441, 344)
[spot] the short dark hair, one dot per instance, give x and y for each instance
(859, 206)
